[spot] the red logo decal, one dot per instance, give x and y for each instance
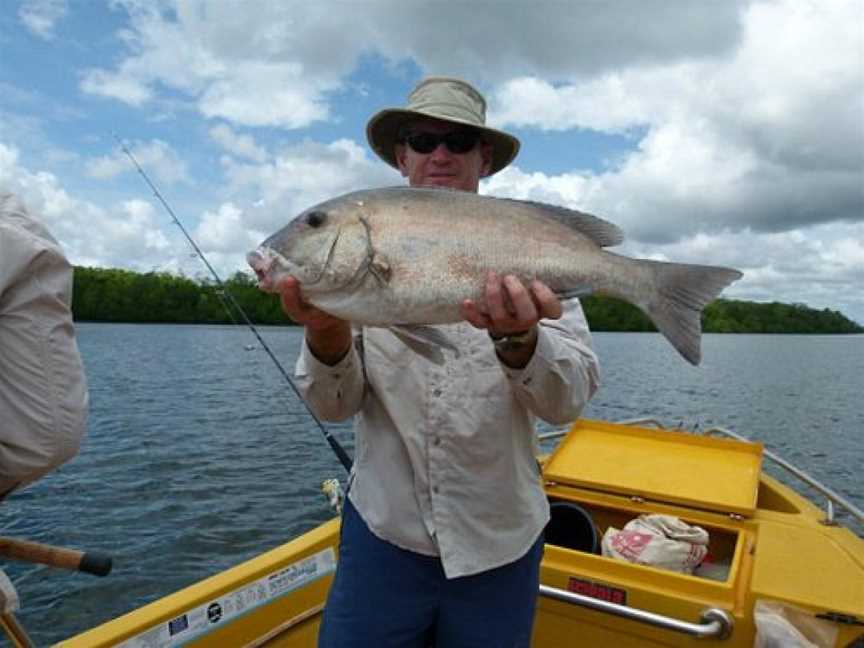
(597, 590)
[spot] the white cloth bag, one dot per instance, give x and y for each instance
(662, 541)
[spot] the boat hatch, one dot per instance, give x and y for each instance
(661, 465)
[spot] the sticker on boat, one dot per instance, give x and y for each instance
(208, 616)
(597, 590)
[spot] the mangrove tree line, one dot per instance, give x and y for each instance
(114, 295)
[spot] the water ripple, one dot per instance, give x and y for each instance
(199, 456)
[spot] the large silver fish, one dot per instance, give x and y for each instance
(410, 256)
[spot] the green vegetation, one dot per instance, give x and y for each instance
(113, 295)
(725, 316)
(733, 316)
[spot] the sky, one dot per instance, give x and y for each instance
(717, 132)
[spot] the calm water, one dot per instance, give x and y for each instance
(198, 456)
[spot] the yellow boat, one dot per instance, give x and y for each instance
(770, 549)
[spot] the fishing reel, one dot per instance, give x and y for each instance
(332, 489)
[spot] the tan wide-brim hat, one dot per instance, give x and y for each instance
(447, 99)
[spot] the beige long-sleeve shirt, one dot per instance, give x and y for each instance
(43, 391)
(445, 456)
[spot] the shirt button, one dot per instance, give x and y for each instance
(437, 441)
(436, 392)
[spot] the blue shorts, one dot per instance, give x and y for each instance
(386, 596)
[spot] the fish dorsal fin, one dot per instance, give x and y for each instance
(602, 232)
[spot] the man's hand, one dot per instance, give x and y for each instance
(301, 311)
(328, 337)
(510, 308)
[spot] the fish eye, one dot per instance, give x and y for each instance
(316, 218)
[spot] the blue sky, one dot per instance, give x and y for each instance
(727, 133)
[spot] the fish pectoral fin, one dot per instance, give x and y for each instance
(425, 341)
(380, 268)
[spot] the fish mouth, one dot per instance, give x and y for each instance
(261, 260)
(270, 266)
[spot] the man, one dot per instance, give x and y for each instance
(442, 530)
(43, 392)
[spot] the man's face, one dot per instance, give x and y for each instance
(441, 167)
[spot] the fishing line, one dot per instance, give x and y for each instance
(342, 455)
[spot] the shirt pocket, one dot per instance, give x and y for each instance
(483, 414)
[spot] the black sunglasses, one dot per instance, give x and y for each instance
(458, 141)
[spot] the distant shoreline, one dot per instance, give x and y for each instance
(123, 296)
(288, 324)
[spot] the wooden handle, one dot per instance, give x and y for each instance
(27, 551)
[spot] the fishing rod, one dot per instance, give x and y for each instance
(337, 448)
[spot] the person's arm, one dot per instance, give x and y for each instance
(43, 390)
(563, 373)
(544, 346)
(329, 370)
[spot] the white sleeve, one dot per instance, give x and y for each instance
(563, 373)
(334, 393)
(43, 390)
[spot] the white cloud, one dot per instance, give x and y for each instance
(816, 265)
(135, 231)
(606, 104)
(265, 94)
(769, 136)
(558, 40)
(42, 16)
(302, 175)
(239, 145)
(273, 63)
(568, 189)
(116, 86)
(157, 158)
(225, 231)
(238, 62)
(8, 164)
(126, 235)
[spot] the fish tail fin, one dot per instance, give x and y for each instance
(682, 293)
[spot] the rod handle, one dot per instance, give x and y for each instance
(91, 562)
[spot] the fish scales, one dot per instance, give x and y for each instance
(433, 248)
(411, 256)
